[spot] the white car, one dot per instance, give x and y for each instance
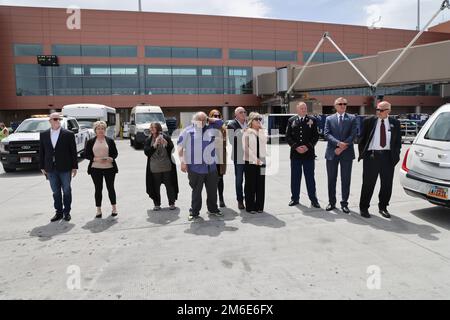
(425, 171)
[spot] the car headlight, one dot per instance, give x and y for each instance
(147, 132)
(3, 147)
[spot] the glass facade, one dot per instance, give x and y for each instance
(183, 52)
(268, 55)
(21, 50)
(94, 50)
(322, 57)
(67, 80)
(406, 90)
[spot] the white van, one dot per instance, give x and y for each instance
(140, 119)
(88, 113)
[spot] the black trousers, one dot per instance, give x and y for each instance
(196, 181)
(254, 188)
(166, 178)
(97, 176)
(374, 165)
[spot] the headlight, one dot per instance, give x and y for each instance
(147, 132)
(3, 148)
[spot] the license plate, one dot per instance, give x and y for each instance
(438, 192)
(25, 160)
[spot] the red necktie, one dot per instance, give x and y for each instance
(382, 134)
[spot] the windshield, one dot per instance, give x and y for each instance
(34, 126)
(440, 129)
(86, 124)
(149, 117)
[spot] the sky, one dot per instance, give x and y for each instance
(400, 14)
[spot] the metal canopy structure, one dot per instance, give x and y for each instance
(379, 78)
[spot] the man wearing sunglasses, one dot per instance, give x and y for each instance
(235, 132)
(340, 132)
(58, 162)
(379, 148)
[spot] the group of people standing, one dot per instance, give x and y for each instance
(201, 148)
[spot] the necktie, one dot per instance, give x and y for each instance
(382, 134)
(340, 121)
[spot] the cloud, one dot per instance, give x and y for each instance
(401, 13)
(241, 8)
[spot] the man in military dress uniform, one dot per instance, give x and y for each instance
(302, 136)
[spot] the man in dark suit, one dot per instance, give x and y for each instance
(302, 136)
(379, 147)
(234, 132)
(340, 132)
(58, 162)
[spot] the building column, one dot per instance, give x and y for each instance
(362, 109)
(419, 109)
(226, 112)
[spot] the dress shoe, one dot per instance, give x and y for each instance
(222, 204)
(293, 203)
(345, 209)
(315, 205)
(67, 217)
(330, 207)
(56, 217)
(241, 205)
(365, 213)
(385, 213)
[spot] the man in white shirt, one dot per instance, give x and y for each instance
(379, 148)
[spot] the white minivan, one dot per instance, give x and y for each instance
(425, 172)
(88, 113)
(140, 119)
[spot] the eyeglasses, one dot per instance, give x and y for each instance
(216, 116)
(55, 119)
(341, 104)
(258, 119)
(382, 110)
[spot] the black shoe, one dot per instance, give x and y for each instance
(345, 209)
(330, 207)
(385, 213)
(241, 205)
(57, 217)
(114, 214)
(222, 204)
(365, 213)
(315, 205)
(98, 216)
(67, 217)
(293, 203)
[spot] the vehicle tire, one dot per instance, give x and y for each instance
(9, 170)
(138, 146)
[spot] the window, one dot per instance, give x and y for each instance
(158, 52)
(125, 80)
(159, 71)
(190, 53)
(27, 50)
(264, 55)
(286, 55)
(125, 70)
(238, 80)
(123, 51)
(66, 50)
(440, 129)
(184, 71)
(240, 54)
(30, 80)
(210, 80)
(111, 119)
(95, 51)
(209, 53)
(184, 80)
(158, 80)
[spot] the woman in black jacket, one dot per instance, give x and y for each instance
(102, 152)
(160, 167)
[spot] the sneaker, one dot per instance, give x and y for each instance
(217, 213)
(157, 208)
(172, 207)
(67, 217)
(192, 216)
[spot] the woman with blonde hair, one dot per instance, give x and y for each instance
(254, 142)
(221, 154)
(102, 153)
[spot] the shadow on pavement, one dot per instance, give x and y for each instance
(211, 228)
(262, 220)
(22, 173)
(439, 216)
(47, 232)
(164, 216)
(100, 225)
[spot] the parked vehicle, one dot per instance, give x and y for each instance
(21, 149)
(140, 119)
(425, 172)
(88, 113)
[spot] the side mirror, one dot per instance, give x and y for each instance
(74, 130)
(133, 123)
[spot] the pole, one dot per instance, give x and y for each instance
(140, 5)
(418, 15)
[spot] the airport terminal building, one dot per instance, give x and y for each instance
(181, 62)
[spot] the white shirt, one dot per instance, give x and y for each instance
(243, 126)
(338, 116)
(54, 135)
(375, 143)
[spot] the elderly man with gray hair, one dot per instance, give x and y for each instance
(196, 149)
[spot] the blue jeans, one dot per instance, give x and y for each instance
(239, 181)
(296, 178)
(60, 181)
